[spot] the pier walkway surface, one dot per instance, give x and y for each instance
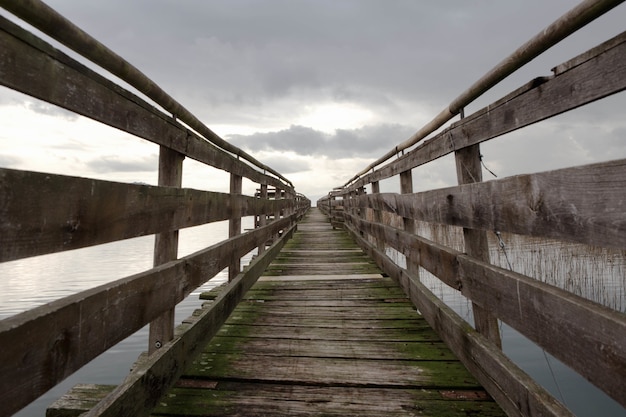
(324, 333)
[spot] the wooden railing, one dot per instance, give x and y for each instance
(47, 213)
(583, 204)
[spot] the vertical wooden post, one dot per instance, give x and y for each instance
(406, 187)
(378, 218)
(234, 224)
(469, 171)
(262, 216)
(277, 196)
(166, 245)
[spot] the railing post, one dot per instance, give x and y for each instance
(277, 196)
(234, 224)
(378, 218)
(166, 245)
(468, 171)
(406, 187)
(262, 216)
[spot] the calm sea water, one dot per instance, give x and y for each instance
(31, 282)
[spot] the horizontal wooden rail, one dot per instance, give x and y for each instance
(583, 204)
(42, 346)
(56, 26)
(570, 22)
(31, 66)
(589, 77)
(36, 221)
(152, 377)
(553, 318)
(512, 388)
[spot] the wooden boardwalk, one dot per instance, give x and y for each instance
(323, 333)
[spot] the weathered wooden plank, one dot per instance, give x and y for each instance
(439, 260)
(293, 400)
(582, 204)
(44, 345)
(322, 269)
(542, 98)
(329, 293)
(149, 380)
(357, 321)
(303, 401)
(234, 224)
(551, 317)
(349, 277)
(166, 245)
(422, 350)
(348, 313)
(33, 67)
(35, 221)
(586, 336)
(80, 399)
(419, 334)
(469, 171)
(327, 371)
(514, 390)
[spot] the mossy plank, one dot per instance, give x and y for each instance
(80, 399)
(333, 371)
(236, 399)
(432, 350)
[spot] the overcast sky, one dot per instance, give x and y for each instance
(315, 89)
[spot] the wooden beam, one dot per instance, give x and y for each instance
(166, 245)
(234, 225)
(581, 204)
(42, 346)
(584, 335)
(406, 187)
(150, 380)
(93, 212)
(262, 216)
(516, 392)
(469, 171)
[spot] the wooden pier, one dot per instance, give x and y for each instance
(322, 332)
(322, 321)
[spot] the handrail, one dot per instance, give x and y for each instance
(49, 21)
(570, 22)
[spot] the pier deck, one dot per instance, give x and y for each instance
(324, 333)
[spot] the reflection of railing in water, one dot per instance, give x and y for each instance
(46, 213)
(581, 205)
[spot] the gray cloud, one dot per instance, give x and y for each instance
(50, 110)
(260, 65)
(288, 165)
(367, 141)
(114, 163)
(10, 161)
(222, 57)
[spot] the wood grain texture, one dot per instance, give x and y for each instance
(586, 336)
(581, 204)
(516, 392)
(166, 245)
(151, 379)
(35, 221)
(42, 346)
(290, 342)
